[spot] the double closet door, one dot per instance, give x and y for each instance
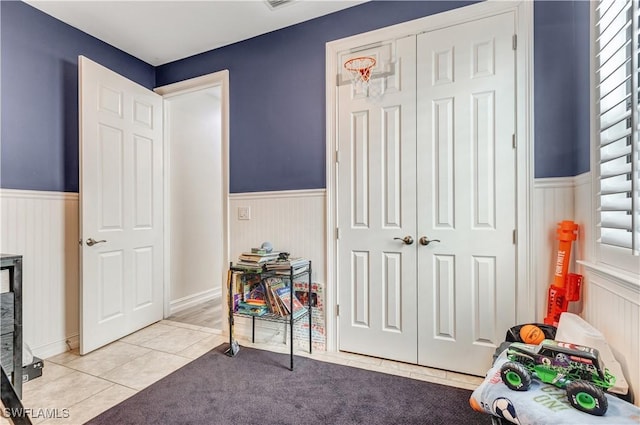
(426, 199)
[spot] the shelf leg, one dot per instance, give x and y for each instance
(309, 306)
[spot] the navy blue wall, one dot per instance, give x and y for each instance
(278, 117)
(561, 88)
(277, 129)
(39, 133)
(277, 93)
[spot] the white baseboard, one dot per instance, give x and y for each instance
(184, 303)
(57, 347)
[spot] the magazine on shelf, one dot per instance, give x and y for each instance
(293, 262)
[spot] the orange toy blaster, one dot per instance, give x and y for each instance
(565, 286)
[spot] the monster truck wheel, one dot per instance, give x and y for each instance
(587, 397)
(515, 376)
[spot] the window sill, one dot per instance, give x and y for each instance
(627, 280)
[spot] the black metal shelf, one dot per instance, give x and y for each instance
(271, 317)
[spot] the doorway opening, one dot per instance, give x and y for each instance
(196, 193)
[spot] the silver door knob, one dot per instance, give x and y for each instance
(408, 240)
(92, 242)
(425, 240)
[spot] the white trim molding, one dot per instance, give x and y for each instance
(189, 301)
(216, 79)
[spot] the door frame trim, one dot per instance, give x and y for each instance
(216, 79)
(523, 13)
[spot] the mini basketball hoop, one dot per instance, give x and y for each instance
(360, 69)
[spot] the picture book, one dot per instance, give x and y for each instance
(272, 284)
(252, 309)
(288, 300)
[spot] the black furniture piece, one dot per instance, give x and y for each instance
(11, 323)
(11, 339)
(290, 320)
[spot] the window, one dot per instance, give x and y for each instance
(617, 146)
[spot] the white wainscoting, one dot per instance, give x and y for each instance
(293, 221)
(611, 305)
(553, 201)
(608, 304)
(43, 228)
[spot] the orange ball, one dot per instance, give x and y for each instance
(531, 334)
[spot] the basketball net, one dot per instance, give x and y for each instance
(360, 71)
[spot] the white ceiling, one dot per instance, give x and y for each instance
(163, 31)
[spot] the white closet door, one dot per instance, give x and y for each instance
(466, 192)
(376, 196)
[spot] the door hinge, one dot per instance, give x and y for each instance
(513, 141)
(337, 233)
(337, 157)
(337, 309)
(514, 41)
(515, 236)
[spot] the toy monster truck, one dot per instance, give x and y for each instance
(572, 367)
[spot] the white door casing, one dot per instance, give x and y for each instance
(466, 192)
(376, 177)
(121, 202)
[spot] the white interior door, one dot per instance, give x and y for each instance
(466, 192)
(121, 206)
(376, 197)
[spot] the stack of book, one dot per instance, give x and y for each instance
(284, 267)
(256, 259)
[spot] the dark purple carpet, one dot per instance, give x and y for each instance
(256, 387)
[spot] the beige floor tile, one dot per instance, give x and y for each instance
(203, 346)
(101, 361)
(146, 369)
(65, 357)
(174, 340)
(192, 327)
(50, 372)
(411, 368)
(63, 392)
(93, 406)
(468, 379)
(150, 332)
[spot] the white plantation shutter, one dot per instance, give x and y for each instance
(618, 145)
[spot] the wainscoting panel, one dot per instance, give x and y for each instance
(43, 228)
(611, 306)
(553, 201)
(614, 310)
(293, 221)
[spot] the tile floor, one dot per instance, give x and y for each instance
(77, 388)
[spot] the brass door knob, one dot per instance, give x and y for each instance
(426, 241)
(408, 240)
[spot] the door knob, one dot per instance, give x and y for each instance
(425, 240)
(92, 242)
(408, 240)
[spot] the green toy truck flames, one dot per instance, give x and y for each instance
(575, 368)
